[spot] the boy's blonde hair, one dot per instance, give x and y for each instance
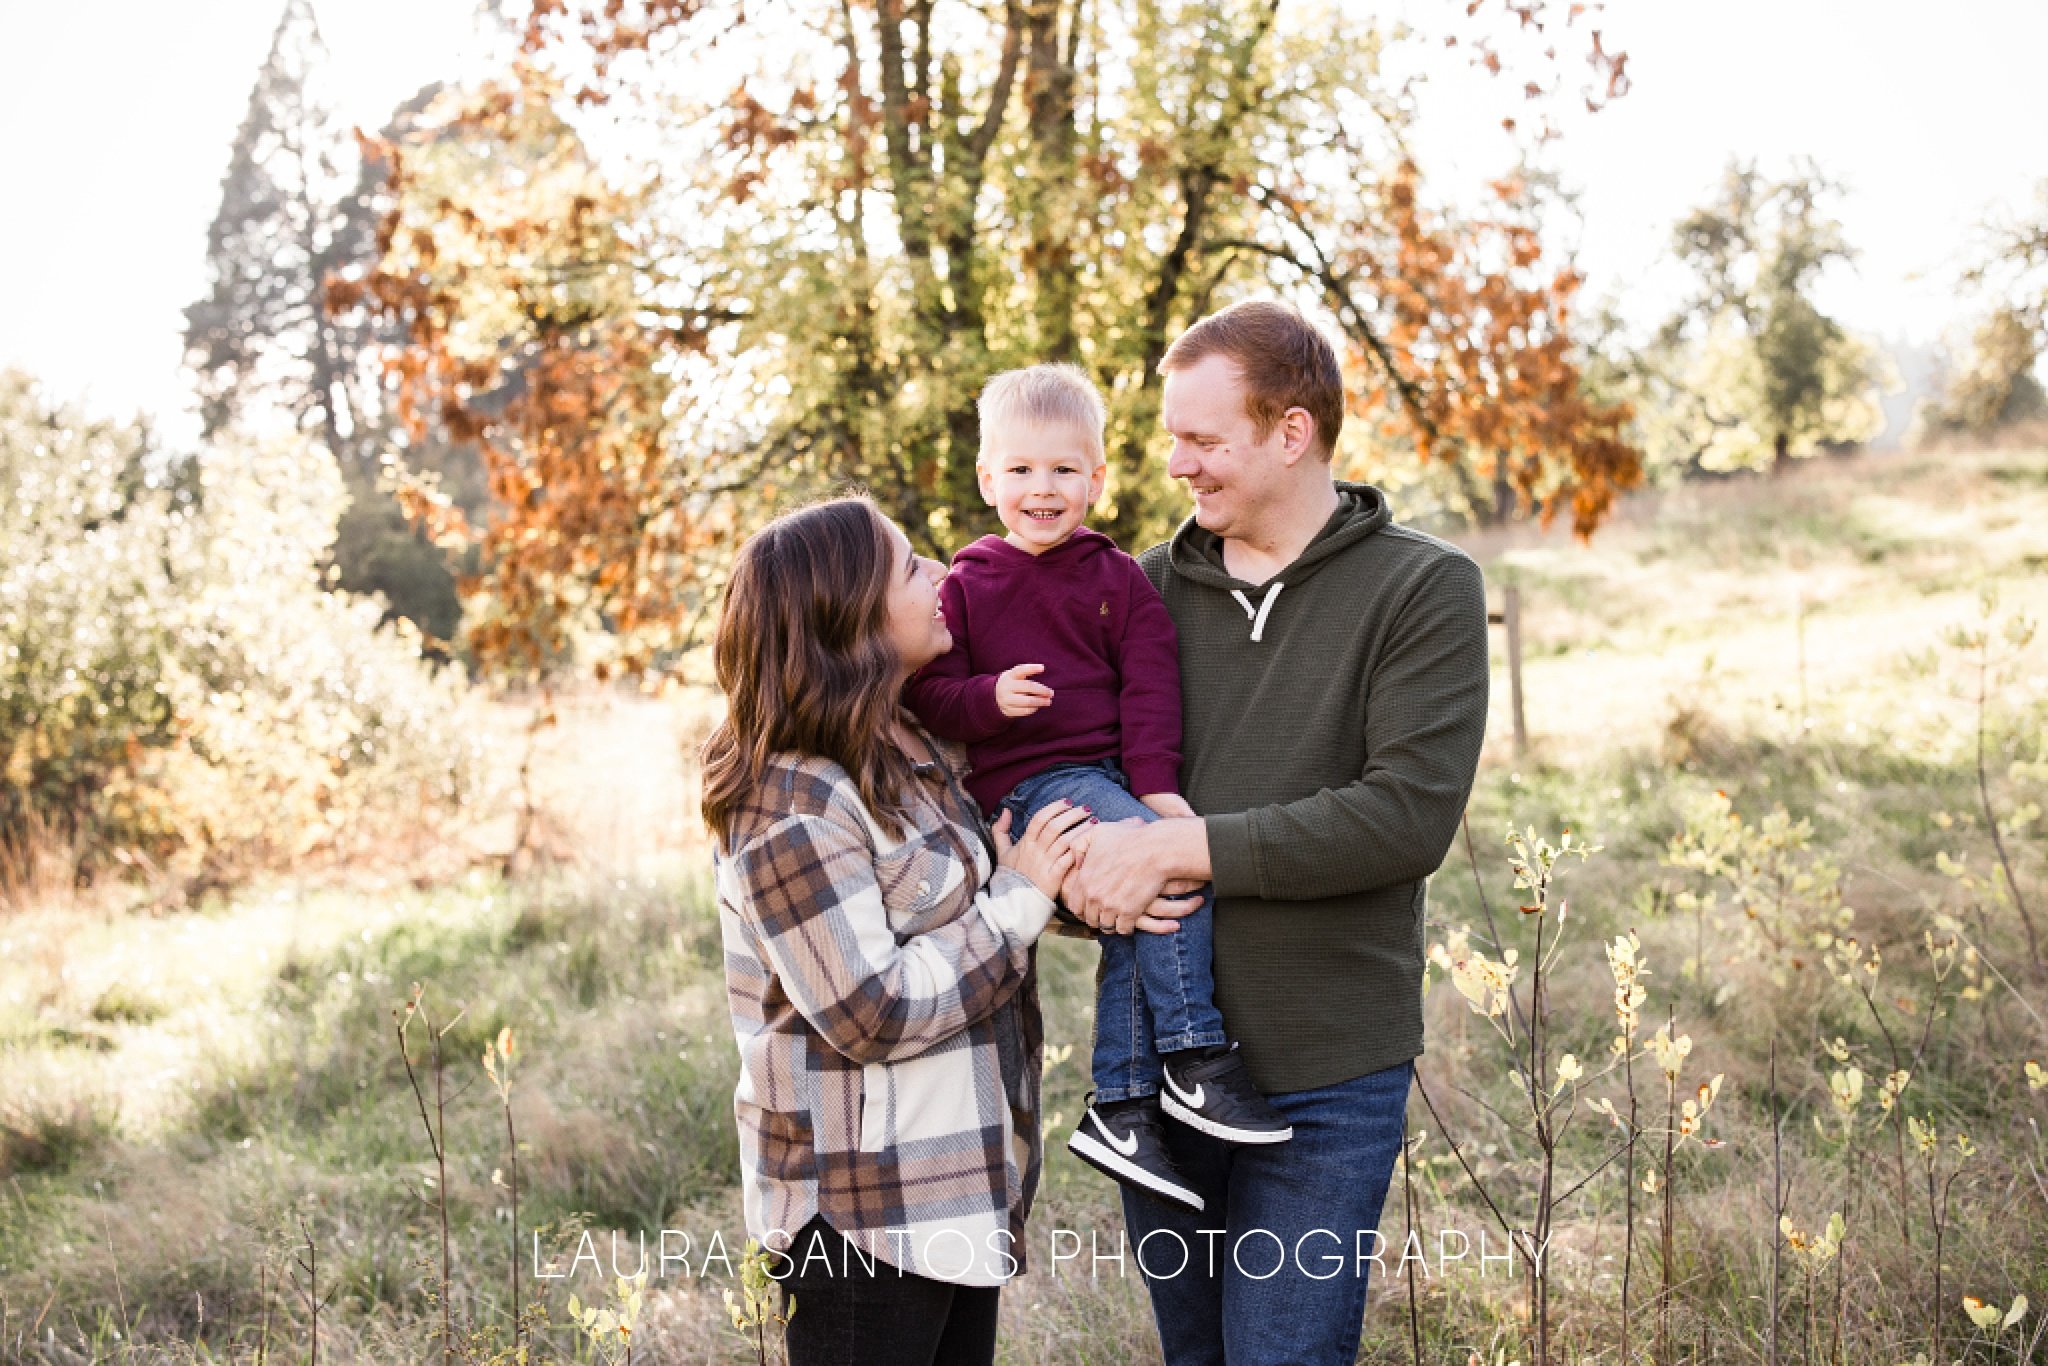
(1044, 394)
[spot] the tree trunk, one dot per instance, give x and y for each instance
(1049, 101)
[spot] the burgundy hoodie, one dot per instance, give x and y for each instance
(1087, 613)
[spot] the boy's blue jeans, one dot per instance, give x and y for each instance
(1154, 993)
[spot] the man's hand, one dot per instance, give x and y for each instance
(1168, 804)
(1016, 695)
(1120, 883)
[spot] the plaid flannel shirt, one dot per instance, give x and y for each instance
(884, 1000)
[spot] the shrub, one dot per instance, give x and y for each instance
(175, 682)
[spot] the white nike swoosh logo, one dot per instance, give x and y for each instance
(1192, 1099)
(1127, 1145)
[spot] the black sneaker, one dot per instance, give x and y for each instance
(1211, 1089)
(1126, 1142)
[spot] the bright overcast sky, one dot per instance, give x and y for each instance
(118, 117)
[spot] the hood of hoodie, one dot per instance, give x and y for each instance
(993, 552)
(1196, 554)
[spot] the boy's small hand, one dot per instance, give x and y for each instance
(1017, 695)
(1168, 804)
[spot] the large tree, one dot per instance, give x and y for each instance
(532, 343)
(2012, 264)
(1995, 386)
(298, 211)
(1749, 371)
(864, 209)
(1999, 383)
(261, 345)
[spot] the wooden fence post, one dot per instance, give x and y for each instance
(1510, 616)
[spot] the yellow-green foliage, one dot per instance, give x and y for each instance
(174, 679)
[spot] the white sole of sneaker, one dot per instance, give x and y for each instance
(1114, 1165)
(1223, 1131)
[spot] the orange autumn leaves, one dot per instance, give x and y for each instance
(524, 336)
(1478, 362)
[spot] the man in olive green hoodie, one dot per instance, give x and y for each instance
(1334, 684)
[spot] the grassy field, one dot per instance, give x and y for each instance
(188, 1099)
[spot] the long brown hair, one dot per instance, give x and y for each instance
(803, 655)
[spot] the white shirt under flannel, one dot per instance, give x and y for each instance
(885, 1004)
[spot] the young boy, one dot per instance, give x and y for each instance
(1064, 683)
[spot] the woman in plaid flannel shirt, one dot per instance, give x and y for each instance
(878, 953)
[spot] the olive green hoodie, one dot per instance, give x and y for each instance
(1332, 720)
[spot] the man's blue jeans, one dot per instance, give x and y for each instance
(1153, 992)
(1276, 1277)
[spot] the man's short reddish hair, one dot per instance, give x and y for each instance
(1285, 361)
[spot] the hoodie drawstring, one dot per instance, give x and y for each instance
(1258, 616)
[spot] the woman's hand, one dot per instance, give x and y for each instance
(1047, 851)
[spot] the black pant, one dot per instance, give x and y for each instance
(857, 1310)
